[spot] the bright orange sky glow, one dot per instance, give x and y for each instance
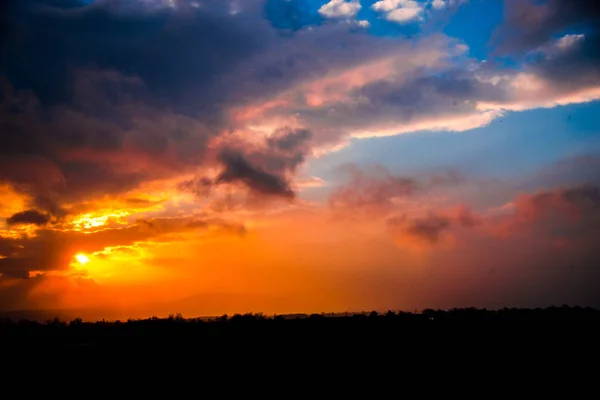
(302, 258)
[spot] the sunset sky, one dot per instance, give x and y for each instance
(223, 156)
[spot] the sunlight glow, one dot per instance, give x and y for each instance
(88, 221)
(82, 258)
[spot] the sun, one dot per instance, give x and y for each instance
(82, 258)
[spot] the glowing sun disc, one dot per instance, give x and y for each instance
(82, 258)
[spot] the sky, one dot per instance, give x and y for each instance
(278, 156)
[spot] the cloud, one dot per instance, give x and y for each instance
(184, 30)
(199, 186)
(562, 216)
(265, 168)
(362, 97)
(124, 110)
(432, 226)
(428, 229)
(438, 4)
(432, 85)
(103, 118)
(28, 217)
(400, 11)
(312, 182)
(387, 5)
(376, 192)
(568, 63)
(465, 217)
(288, 140)
(75, 126)
(238, 169)
(52, 250)
(568, 41)
(73, 156)
(142, 202)
(578, 208)
(527, 24)
(415, 88)
(20, 294)
(566, 220)
(567, 67)
(340, 8)
(369, 193)
(563, 173)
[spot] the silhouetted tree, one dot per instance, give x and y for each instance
(223, 318)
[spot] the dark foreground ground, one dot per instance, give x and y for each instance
(369, 333)
(562, 341)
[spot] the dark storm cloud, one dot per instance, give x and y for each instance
(531, 27)
(97, 99)
(94, 98)
(121, 94)
(28, 217)
(238, 169)
(59, 154)
(578, 64)
(285, 150)
(175, 52)
(530, 24)
(265, 169)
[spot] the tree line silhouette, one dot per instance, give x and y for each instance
(240, 344)
(296, 327)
